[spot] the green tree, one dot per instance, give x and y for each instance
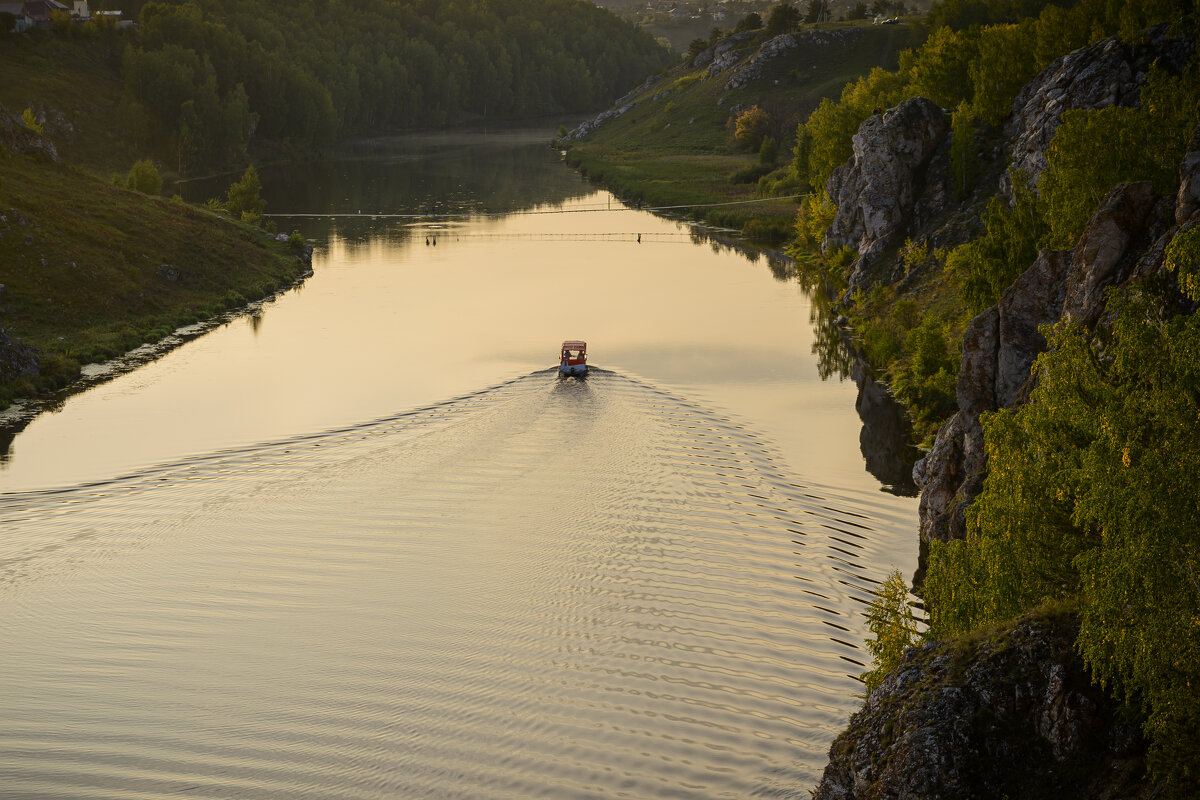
(143, 177)
(784, 18)
(964, 163)
(1006, 60)
(925, 380)
(750, 22)
(817, 11)
(244, 200)
(987, 266)
(768, 152)
(941, 69)
(893, 628)
(750, 128)
(1091, 494)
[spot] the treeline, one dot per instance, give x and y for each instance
(205, 76)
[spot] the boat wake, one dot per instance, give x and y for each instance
(574, 588)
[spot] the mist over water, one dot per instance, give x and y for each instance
(366, 544)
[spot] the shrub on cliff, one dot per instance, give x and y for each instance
(893, 628)
(1091, 493)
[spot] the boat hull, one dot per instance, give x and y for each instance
(575, 370)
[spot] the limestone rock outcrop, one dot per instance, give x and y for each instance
(998, 352)
(1105, 74)
(17, 359)
(758, 65)
(723, 55)
(883, 187)
(1014, 714)
(1107, 251)
(15, 136)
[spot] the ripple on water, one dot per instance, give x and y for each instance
(551, 588)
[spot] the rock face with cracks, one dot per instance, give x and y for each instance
(1123, 241)
(884, 187)
(1012, 713)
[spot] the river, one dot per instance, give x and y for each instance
(363, 542)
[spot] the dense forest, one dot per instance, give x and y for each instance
(205, 77)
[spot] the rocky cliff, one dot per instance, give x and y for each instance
(896, 185)
(897, 179)
(1010, 713)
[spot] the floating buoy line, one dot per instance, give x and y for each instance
(434, 214)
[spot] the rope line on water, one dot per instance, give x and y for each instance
(469, 214)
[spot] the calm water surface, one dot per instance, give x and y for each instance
(365, 543)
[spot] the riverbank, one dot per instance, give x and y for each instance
(674, 140)
(89, 270)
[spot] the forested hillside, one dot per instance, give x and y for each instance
(205, 77)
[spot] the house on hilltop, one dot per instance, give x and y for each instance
(42, 11)
(17, 12)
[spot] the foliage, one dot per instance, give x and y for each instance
(817, 11)
(296, 242)
(1183, 258)
(30, 121)
(925, 381)
(823, 140)
(859, 11)
(980, 52)
(750, 22)
(1091, 492)
(1095, 150)
(941, 69)
(987, 266)
(302, 73)
(143, 177)
(913, 255)
(893, 628)
(1092, 151)
(751, 174)
(243, 199)
(816, 214)
(964, 163)
(773, 230)
(1005, 60)
(768, 151)
(962, 14)
(783, 18)
(750, 128)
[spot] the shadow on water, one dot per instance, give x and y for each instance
(886, 438)
(452, 173)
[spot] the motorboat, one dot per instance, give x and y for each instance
(573, 360)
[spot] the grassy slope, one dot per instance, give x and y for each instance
(677, 149)
(79, 257)
(79, 80)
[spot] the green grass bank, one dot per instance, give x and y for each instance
(676, 144)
